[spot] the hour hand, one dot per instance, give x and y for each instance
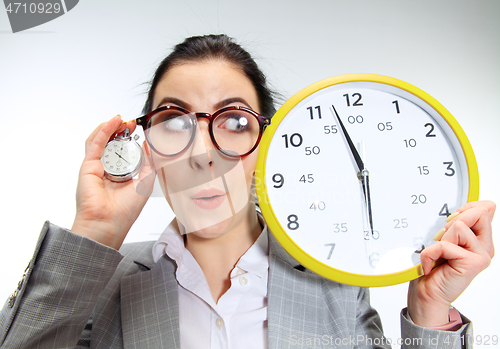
(364, 177)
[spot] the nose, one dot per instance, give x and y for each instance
(202, 146)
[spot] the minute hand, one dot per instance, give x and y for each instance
(354, 151)
(363, 174)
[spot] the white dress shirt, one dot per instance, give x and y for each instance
(239, 318)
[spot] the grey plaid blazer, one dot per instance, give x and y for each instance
(77, 293)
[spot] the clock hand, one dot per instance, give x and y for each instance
(366, 191)
(354, 151)
(363, 174)
(121, 157)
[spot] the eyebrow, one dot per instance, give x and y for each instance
(173, 100)
(217, 106)
(228, 101)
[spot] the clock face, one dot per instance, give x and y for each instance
(121, 157)
(318, 204)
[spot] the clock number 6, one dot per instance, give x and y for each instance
(293, 223)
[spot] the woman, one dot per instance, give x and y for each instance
(216, 277)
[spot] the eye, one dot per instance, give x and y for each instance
(171, 121)
(177, 124)
(234, 123)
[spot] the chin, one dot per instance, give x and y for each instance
(209, 230)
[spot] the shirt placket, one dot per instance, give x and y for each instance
(218, 338)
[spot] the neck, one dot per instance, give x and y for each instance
(218, 256)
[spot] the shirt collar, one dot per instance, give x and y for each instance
(170, 242)
(255, 260)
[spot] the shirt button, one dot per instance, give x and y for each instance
(240, 272)
(219, 322)
(243, 281)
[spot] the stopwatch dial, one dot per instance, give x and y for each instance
(121, 157)
(417, 177)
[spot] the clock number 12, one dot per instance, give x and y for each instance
(357, 102)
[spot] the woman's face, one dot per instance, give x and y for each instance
(208, 191)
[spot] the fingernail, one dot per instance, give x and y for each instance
(451, 216)
(439, 235)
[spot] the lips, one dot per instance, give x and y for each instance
(209, 199)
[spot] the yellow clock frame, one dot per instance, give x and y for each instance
(274, 224)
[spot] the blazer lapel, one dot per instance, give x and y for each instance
(295, 311)
(149, 307)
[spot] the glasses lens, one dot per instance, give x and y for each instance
(236, 131)
(170, 131)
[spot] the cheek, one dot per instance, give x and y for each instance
(166, 177)
(249, 163)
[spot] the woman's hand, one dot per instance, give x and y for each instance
(106, 210)
(465, 249)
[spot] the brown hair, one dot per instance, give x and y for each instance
(199, 48)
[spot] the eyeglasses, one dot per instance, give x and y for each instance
(235, 131)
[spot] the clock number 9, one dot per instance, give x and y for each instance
(279, 180)
(293, 223)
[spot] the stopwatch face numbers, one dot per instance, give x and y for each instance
(121, 157)
(313, 181)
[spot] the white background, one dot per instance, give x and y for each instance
(60, 80)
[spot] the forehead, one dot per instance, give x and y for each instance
(204, 84)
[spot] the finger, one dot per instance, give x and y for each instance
(477, 216)
(460, 247)
(100, 137)
(90, 138)
(461, 235)
(460, 259)
(131, 125)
